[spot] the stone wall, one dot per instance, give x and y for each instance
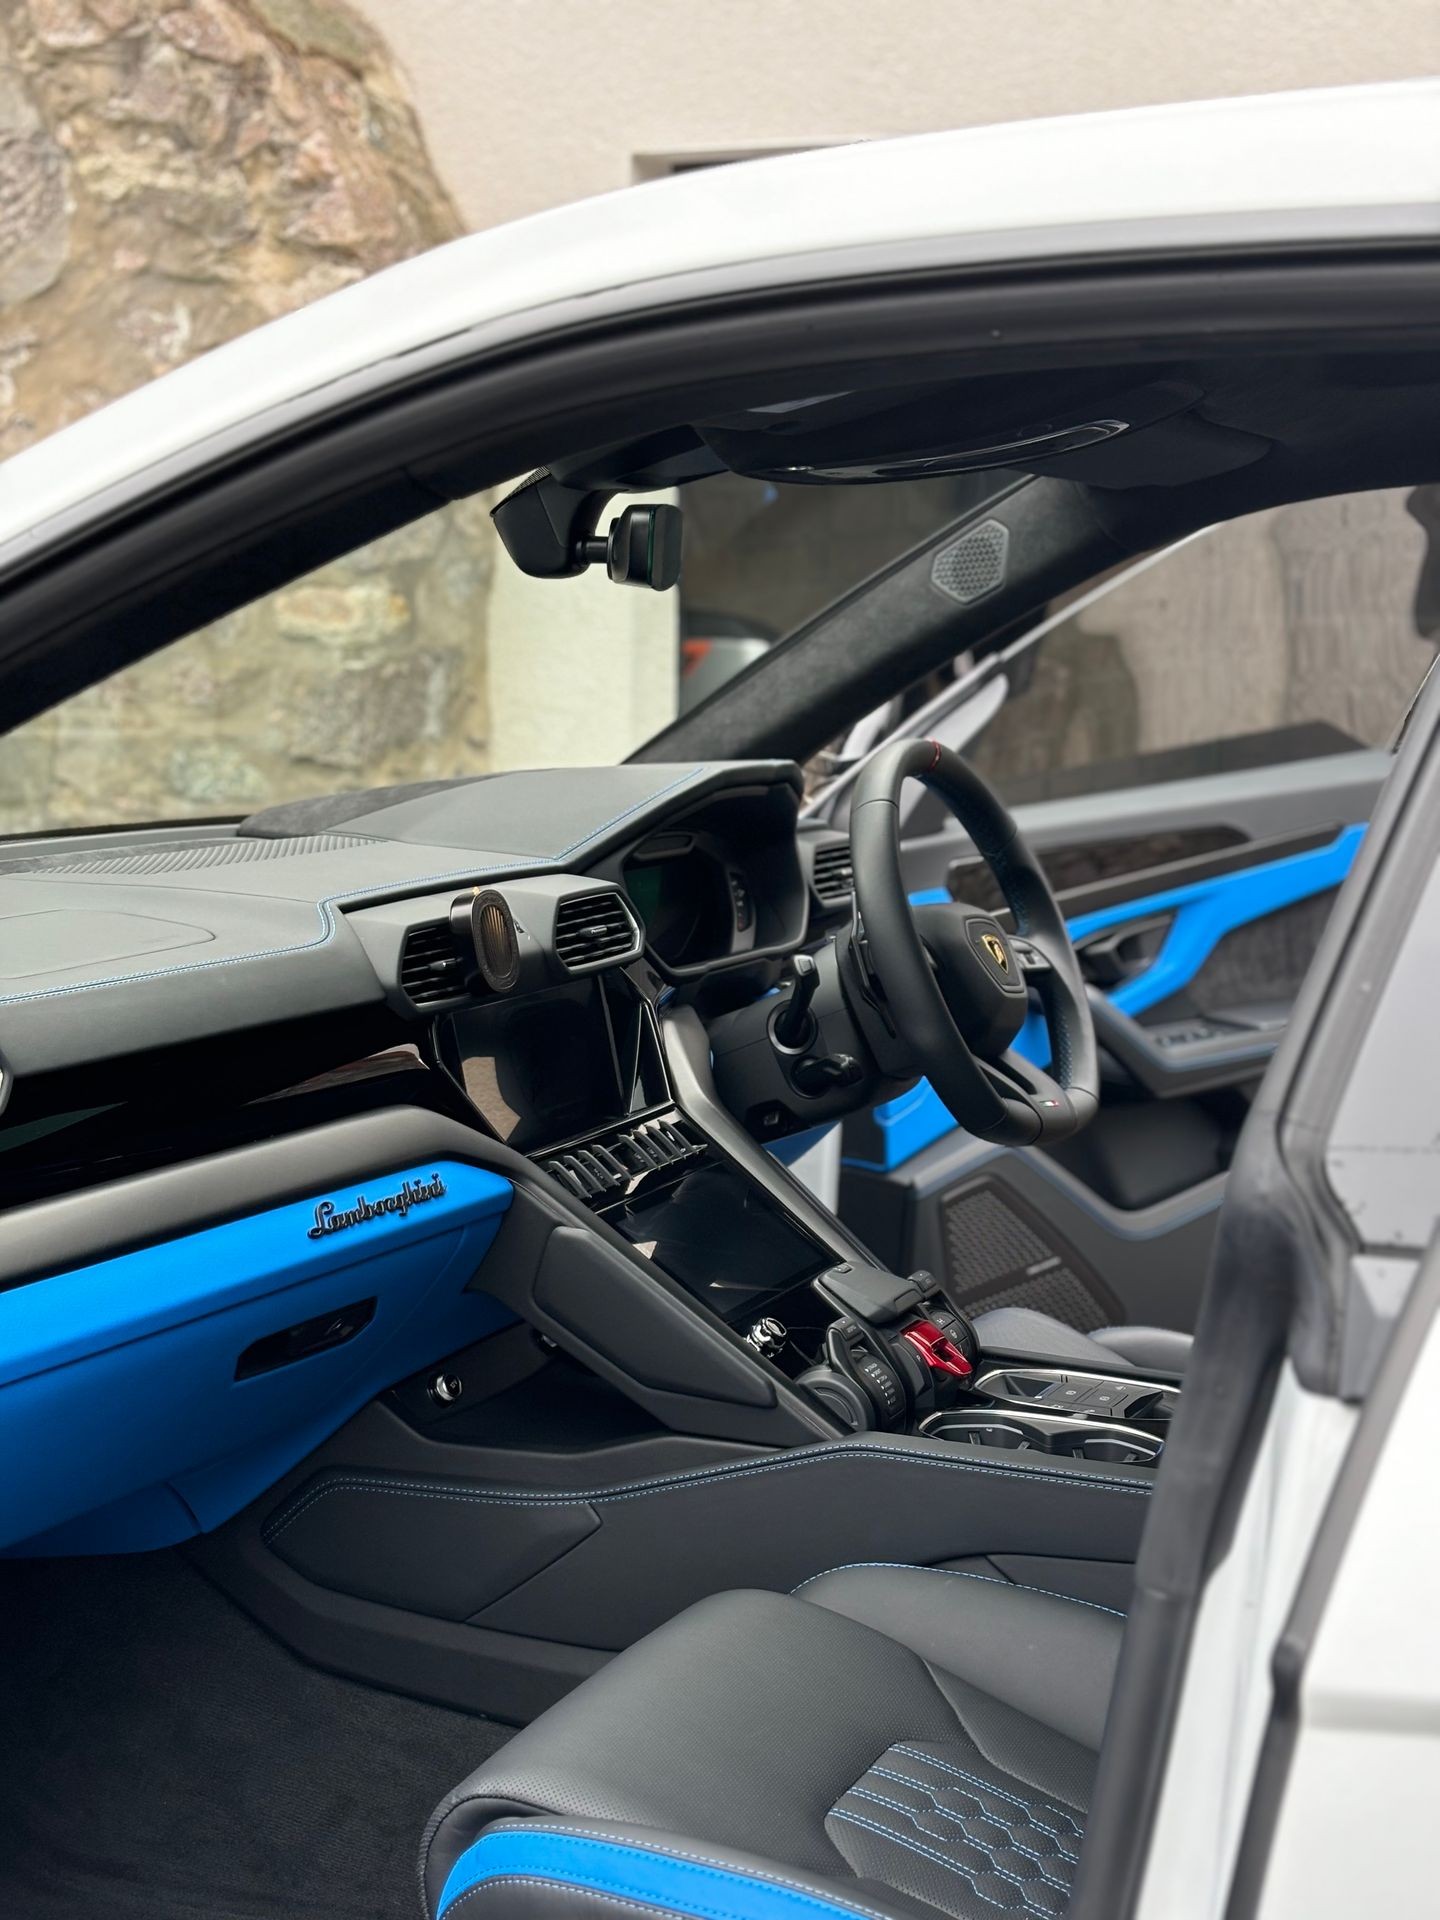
(1304, 614)
(171, 175)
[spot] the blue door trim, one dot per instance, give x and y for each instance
(1204, 912)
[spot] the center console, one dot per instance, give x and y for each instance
(577, 1078)
(899, 1356)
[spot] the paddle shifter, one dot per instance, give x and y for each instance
(897, 1351)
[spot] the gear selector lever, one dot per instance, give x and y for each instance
(914, 1310)
(793, 1026)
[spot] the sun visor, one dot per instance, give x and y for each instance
(1168, 453)
(1150, 435)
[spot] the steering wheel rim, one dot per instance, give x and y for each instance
(947, 969)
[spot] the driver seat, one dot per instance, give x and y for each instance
(894, 1743)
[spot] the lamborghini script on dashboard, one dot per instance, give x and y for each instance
(330, 1219)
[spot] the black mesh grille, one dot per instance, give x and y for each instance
(998, 1253)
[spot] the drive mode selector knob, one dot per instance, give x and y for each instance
(841, 1395)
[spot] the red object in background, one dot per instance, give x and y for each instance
(937, 1349)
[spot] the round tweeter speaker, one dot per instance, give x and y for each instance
(497, 943)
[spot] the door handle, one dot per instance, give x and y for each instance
(1115, 954)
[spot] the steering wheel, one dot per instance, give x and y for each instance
(954, 981)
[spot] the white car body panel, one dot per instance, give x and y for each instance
(1333, 165)
(1353, 1835)
(1227, 1692)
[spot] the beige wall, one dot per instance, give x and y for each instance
(530, 103)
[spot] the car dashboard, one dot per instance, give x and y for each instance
(172, 992)
(314, 1119)
(171, 935)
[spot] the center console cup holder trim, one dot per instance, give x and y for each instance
(1016, 1386)
(1057, 1434)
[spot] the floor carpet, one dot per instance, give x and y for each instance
(161, 1755)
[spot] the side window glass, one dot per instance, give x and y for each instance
(1289, 634)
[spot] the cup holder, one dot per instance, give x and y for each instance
(1125, 1450)
(975, 1430)
(1106, 1443)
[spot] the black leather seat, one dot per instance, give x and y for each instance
(1011, 1331)
(893, 1742)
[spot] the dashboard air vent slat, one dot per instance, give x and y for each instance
(614, 1163)
(430, 965)
(833, 874)
(594, 930)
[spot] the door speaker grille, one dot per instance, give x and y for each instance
(1000, 1253)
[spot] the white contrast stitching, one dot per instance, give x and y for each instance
(328, 923)
(994, 1819)
(945, 1766)
(981, 1846)
(604, 1496)
(959, 1573)
(933, 1853)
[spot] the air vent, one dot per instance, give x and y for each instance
(833, 875)
(430, 965)
(594, 930)
(614, 1163)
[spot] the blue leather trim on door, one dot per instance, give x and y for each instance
(120, 1414)
(1207, 910)
(666, 1880)
(1204, 912)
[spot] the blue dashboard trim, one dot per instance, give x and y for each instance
(662, 1879)
(118, 1397)
(1204, 912)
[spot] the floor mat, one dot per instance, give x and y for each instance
(163, 1756)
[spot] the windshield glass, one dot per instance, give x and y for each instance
(427, 655)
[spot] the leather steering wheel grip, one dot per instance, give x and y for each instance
(1006, 1099)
